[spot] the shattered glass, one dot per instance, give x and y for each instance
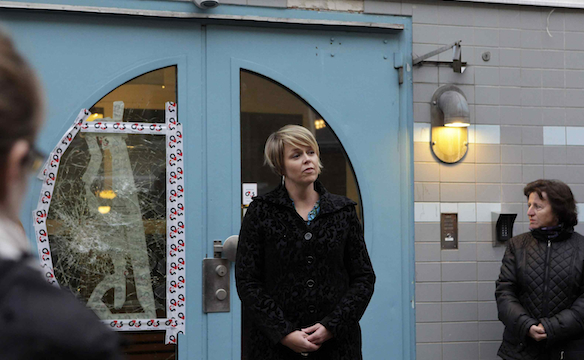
(107, 224)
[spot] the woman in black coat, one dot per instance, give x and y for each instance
(303, 272)
(540, 291)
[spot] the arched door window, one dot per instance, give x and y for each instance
(112, 199)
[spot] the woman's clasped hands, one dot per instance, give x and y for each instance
(307, 340)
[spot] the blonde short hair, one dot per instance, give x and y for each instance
(293, 135)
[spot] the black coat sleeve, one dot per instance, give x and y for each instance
(352, 305)
(249, 269)
(511, 312)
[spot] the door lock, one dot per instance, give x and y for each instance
(216, 276)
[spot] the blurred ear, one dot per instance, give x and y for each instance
(14, 164)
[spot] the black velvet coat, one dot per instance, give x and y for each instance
(292, 275)
(541, 281)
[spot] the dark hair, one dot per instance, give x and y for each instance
(560, 198)
(20, 102)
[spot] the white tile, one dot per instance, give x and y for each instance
(575, 135)
(554, 135)
(467, 212)
(448, 207)
(427, 212)
(484, 211)
(488, 134)
(422, 132)
(471, 134)
(580, 212)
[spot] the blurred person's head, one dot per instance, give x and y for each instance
(289, 136)
(550, 203)
(20, 117)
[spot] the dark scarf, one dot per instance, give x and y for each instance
(553, 233)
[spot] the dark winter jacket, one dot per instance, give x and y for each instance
(541, 281)
(292, 275)
(40, 321)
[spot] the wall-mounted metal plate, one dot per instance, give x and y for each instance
(216, 283)
(449, 231)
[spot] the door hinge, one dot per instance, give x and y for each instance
(398, 63)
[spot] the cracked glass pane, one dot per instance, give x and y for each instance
(107, 224)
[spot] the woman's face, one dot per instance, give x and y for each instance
(300, 164)
(540, 211)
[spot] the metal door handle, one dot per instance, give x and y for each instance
(216, 278)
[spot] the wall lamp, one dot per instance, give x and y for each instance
(450, 121)
(206, 4)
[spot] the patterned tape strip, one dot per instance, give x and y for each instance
(49, 176)
(176, 278)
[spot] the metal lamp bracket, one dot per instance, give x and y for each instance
(457, 64)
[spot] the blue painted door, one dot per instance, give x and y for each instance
(349, 78)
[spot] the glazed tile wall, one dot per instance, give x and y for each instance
(527, 115)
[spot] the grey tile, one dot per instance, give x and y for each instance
(512, 193)
(554, 154)
(460, 311)
(422, 112)
(418, 192)
(381, 7)
(486, 290)
(574, 41)
(470, 157)
(485, 75)
(557, 172)
(427, 272)
(509, 38)
(491, 330)
(510, 57)
(574, 79)
(450, 34)
(531, 58)
(459, 291)
(532, 154)
(574, 97)
(555, 21)
(457, 192)
(531, 39)
(466, 251)
(532, 135)
(532, 18)
(555, 42)
(509, 17)
(427, 251)
(428, 312)
(425, 74)
(428, 332)
(575, 173)
(510, 77)
(553, 97)
(510, 115)
(486, 252)
(421, 49)
(553, 78)
(431, 192)
(510, 208)
(494, 57)
(460, 350)
(487, 311)
(455, 14)
(429, 351)
(460, 331)
(484, 232)
(423, 152)
(531, 77)
(579, 228)
(511, 135)
(531, 116)
(553, 116)
(487, 153)
(425, 34)
(574, 60)
(236, 2)
(268, 3)
(426, 172)
(428, 291)
(427, 232)
(486, 37)
(486, 114)
(488, 193)
(511, 154)
(457, 173)
(488, 350)
(577, 190)
(530, 97)
(426, 13)
(448, 76)
(486, 15)
(488, 270)
(573, 21)
(487, 95)
(575, 116)
(424, 92)
(469, 91)
(407, 9)
(511, 174)
(489, 173)
(467, 232)
(510, 96)
(532, 173)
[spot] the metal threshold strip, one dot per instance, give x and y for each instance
(196, 16)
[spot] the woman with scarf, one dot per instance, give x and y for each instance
(540, 291)
(303, 272)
